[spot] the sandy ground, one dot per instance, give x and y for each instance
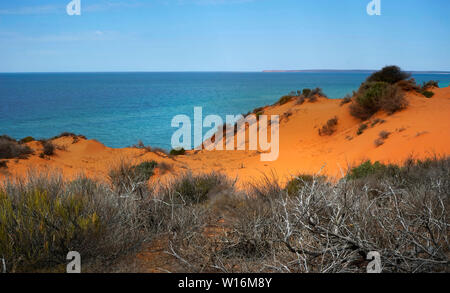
(420, 131)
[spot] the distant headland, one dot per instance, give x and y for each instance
(368, 71)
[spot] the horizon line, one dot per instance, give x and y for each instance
(227, 71)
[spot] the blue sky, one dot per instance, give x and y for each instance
(222, 35)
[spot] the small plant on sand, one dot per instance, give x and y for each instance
(178, 152)
(384, 134)
(26, 140)
(141, 145)
(329, 128)
(428, 94)
(378, 142)
(377, 121)
(49, 148)
(285, 99)
(347, 99)
(361, 129)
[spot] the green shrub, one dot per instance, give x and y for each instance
(306, 92)
(374, 96)
(301, 181)
(44, 217)
(285, 99)
(365, 169)
(37, 230)
(195, 189)
(389, 74)
(26, 140)
(428, 94)
(178, 152)
(145, 170)
(126, 177)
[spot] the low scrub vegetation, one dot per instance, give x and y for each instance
(285, 99)
(347, 99)
(311, 225)
(428, 94)
(48, 148)
(408, 85)
(382, 136)
(389, 74)
(361, 128)
(374, 96)
(300, 96)
(430, 84)
(178, 152)
(10, 148)
(44, 218)
(384, 90)
(26, 140)
(329, 128)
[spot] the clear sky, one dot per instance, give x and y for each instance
(222, 35)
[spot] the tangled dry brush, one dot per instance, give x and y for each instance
(311, 225)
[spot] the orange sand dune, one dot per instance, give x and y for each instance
(422, 130)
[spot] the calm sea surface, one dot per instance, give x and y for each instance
(119, 109)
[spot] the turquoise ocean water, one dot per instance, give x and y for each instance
(119, 109)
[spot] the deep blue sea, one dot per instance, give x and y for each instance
(118, 109)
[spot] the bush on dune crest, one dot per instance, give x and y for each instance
(399, 211)
(383, 90)
(389, 74)
(374, 96)
(10, 148)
